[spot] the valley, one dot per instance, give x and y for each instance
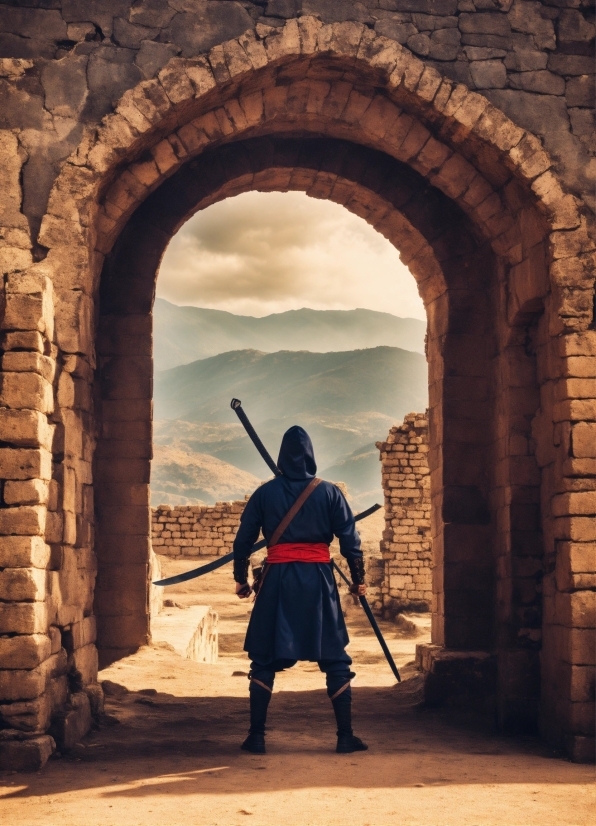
(346, 399)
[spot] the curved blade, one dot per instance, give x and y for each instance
(205, 569)
(223, 560)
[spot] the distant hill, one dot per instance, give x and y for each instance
(275, 385)
(185, 334)
(182, 477)
(346, 401)
(361, 472)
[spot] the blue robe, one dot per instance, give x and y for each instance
(297, 614)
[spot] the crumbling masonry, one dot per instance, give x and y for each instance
(406, 545)
(460, 130)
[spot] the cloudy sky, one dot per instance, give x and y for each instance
(262, 253)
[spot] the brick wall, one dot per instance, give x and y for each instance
(195, 530)
(406, 545)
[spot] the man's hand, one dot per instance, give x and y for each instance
(243, 590)
(357, 591)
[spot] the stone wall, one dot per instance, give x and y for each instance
(195, 530)
(406, 545)
(69, 61)
(459, 129)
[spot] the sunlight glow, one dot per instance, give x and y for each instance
(260, 253)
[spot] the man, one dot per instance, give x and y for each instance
(297, 613)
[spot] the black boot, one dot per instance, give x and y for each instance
(259, 702)
(347, 742)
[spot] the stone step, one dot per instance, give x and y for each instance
(192, 632)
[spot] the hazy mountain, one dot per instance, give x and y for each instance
(275, 385)
(185, 334)
(183, 477)
(346, 401)
(361, 472)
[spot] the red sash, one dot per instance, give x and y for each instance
(299, 552)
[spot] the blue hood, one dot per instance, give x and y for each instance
(296, 455)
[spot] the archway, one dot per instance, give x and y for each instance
(470, 201)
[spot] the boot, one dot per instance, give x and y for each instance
(259, 703)
(347, 742)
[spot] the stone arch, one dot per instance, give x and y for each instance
(337, 82)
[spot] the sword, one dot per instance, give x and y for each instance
(223, 560)
(236, 406)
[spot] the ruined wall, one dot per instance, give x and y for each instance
(102, 104)
(195, 530)
(406, 545)
(532, 59)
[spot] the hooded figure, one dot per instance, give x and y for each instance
(297, 614)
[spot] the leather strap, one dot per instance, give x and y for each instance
(263, 685)
(278, 532)
(341, 690)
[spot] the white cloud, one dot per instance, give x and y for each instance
(262, 253)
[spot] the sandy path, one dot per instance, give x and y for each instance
(172, 757)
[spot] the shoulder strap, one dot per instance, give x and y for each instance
(277, 533)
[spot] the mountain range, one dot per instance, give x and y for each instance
(346, 400)
(186, 334)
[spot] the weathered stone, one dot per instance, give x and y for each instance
(26, 755)
(574, 28)
(111, 72)
(444, 44)
(579, 91)
(195, 32)
(131, 36)
(24, 651)
(526, 17)
(480, 23)
(65, 85)
(73, 724)
(23, 551)
(546, 83)
(20, 584)
(153, 56)
(395, 29)
(571, 64)
(488, 74)
(419, 44)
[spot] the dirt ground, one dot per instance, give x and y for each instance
(167, 752)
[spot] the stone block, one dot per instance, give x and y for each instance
(26, 390)
(543, 82)
(27, 520)
(74, 723)
(85, 661)
(576, 610)
(23, 552)
(29, 492)
(25, 428)
(24, 651)
(579, 91)
(583, 503)
(23, 340)
(576, 528)
(24, 312)
(583, 440)
(25, 463)
(23, 618)
(21, 584)
(28, 715)
(482, 23)
(580, 749)
(125, 632)
(26, 755)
